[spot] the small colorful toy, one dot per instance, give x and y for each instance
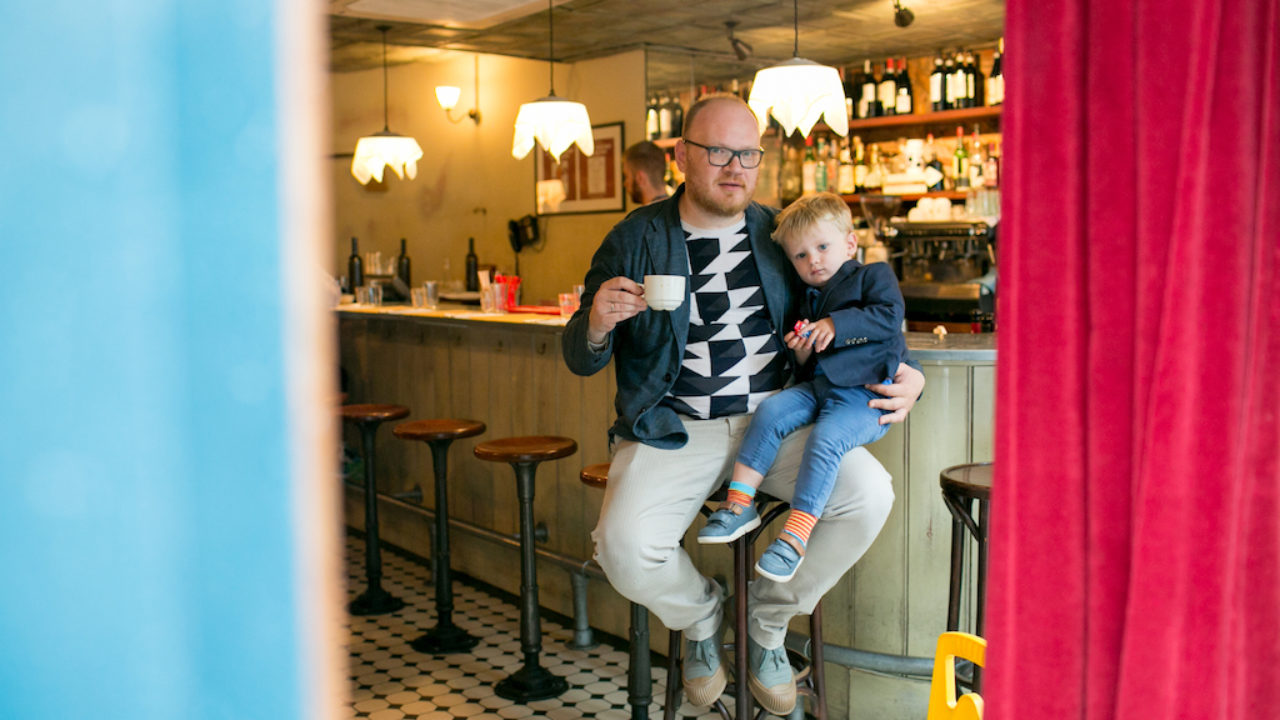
(799, 324)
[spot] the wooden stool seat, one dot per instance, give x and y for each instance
(372, 412)
(596, 476)
(532, 449)
(972, 480)
(438, 429)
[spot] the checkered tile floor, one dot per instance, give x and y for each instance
(390, 680)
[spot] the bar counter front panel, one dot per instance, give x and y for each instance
(506, 371)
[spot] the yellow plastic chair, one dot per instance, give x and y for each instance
(943, 704)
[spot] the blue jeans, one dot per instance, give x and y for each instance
(842, 421)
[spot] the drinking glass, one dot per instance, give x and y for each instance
(568, 304)
(418, 297)
(432, 290)
(375, 294)
(362, 295)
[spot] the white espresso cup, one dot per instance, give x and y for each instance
(664, 292)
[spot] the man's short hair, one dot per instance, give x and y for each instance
(810, 209)
(649, 160)
(706, 100)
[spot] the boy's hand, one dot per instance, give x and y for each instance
(812, 336)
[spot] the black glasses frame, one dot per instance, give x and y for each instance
(742, 155)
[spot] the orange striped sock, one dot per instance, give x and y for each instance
(740, 493)
(799, 525)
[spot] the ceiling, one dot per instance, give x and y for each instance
(682, 36)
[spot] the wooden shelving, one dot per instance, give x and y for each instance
(943, 117)
(948, 194)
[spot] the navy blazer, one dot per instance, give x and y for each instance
(866, 307)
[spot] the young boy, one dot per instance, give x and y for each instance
(856, 340)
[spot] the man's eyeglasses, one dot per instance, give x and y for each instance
(721, 156)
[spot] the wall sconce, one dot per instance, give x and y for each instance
(447, 96)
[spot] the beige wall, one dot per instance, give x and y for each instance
(468, 184)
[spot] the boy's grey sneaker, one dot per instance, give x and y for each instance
(725, 525)
(703, 672)
(779, 561)
(770, 679)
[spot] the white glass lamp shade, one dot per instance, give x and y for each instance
(555, 124)
(385, 149)
(447, 96)
(799, 92)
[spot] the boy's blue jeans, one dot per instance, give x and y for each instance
(842, 421)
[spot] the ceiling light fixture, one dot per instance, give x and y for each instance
(447, 96)
(385, 149)
(741, 49)
(799, 92)
(553, 122)
(902, 17)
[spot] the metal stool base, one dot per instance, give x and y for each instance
(530, 683)
(375, 602)
(444, 639)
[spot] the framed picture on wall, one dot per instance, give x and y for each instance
(587, 184)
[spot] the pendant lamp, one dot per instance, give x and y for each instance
(553, 122)
(385, 149)
(799, 92)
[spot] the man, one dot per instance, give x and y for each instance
(644, 166)
(688, 380)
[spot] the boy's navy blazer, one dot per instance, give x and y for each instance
(866, 307)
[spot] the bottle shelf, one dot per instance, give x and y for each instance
(948, 194)
(942, 117)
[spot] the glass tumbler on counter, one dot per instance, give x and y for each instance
(418, 297)
(362, 295)
(432, 290)
(568, 304)
(375, 294)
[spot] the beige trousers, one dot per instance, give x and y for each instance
(653, 496)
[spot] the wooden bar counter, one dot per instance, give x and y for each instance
(506, 371)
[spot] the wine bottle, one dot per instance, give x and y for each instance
(960, 81)
(949, 85)
(664, 117)
(937, 83)
(355, 267)
(820, 173)
(991, 173)
(651, 129)
(977, 164)
(867, 101)
(933, 175)
(473, 266)
(849, 85)
(402, 265)
(677, 117)
(996, 80)
(844, 173)
(860, 169)
(960, 162)
(887, 92)
(906, 100)
(975, 79)
(809, 170)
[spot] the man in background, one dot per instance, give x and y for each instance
(643, 168)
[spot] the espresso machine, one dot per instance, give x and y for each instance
(947, 272)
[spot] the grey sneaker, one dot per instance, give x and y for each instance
(769, 678)
(703, 671)
(728, 524)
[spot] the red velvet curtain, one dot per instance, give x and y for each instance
(1135, 543)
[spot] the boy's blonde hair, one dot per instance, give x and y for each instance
(809, 210)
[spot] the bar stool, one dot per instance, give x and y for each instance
(445, 637)
(810, 678)
(639, 671)
(532, 681)
(810, 673)
(961, 485)
(374, 600)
